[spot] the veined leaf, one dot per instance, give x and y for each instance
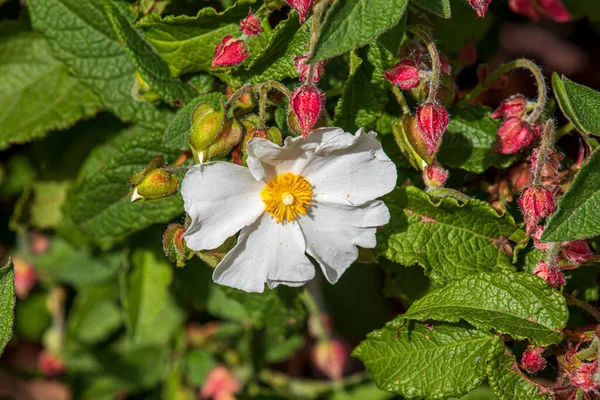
(579, 104)
(509, 383)
(7, 303)
(441, 8)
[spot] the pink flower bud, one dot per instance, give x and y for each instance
(536, 203)
(577, 251)
(432, 120)
(307, 103)
(480, 6)
(25, 277)
(435, 175)
(513, 106)
(229, 52)
(174, 244)
(445, 66)
(219, 383)
(513, 135)
(330, 357)
(584, 376)
(550, 167)
(250, 25)
(302, 68)
(405, 74)
(524, 7)
(302, 6)
(40, 243)
(50, 364)
(467, 54)
(536, 234)
(520, 177)
(552, 276)
(532, 360)
(555, 9)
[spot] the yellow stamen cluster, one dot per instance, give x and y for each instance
(286, 196)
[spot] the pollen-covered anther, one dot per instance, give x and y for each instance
(286, 196)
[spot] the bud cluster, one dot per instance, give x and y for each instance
(515, 133)
(532, 360)
(232, 51)
(480, 6)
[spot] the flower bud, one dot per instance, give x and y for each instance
(584, 377)
(330, 357)
(410, 140)
(536, 203)
(153, 183)
(432, 120)
(206, 123)
(302, 6)
(229, 52)
(40, 243)
(251, 25)
(198, 335)
(555, 9)
(435, 175)
(228, 137)
(552, 276)
(271, 133)
(174, 244)
(513, 106)
(220, 382)
(532, 360)
(467, 54)
(520, 177)
(25, 277)
(525, 7)
(549, 168)
(405, 74)
(577, 251)
(514, 135)
(480, 6)
(307, 103)
(536, 234)
(302, 68)
(50, 364)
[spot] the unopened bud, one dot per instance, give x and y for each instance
(227, 138)
(251, 25)
(513, 106)
(330, 357)
(198, 335)
(532, 360)
(528, 8)
(536, 203)
(25, 277)
(219, 383)
(467, 54)
(229, 52)
(435, 175)
(153, 183)
(584, 377)
(40, 243)
(551, 275)
(513, 135)
(405, 74)
(271, 133)
(50, 364)
(555, 9)
(174, 244)
(549, 168)
(206, 123)
(577, 251)
(302, 68)
(520, 177)
(307, 103)
(433, 121)
(302, 6)
(536, 234)
(410, 140)
(480, 6)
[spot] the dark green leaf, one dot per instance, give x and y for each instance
(508, 382)
(441, 8)
(95, 314)
(7, 303)
(198, 365)
(579, 104)
(32, 317)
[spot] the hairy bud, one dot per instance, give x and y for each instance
(50, 364)
(229, 52)
(302, 68)
(251, 25)
(432, 120)
(585, 376)
(536, 234)
(206, 123)
(536, 203)
(153, 183)
(549, 168)
(552, 276)
(405, 74)
(227, 138)
(577, 251)
(302, 6)
(25, 277)
(271, 133)
(219, 383)
(174, 244)
(435, 175)
(532, 360)
(330, 357)
(520, 177)
(513, 106)
(513, 135)
(480, 6)
(307, 103)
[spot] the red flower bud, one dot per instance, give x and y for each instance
(435, 175)
(536, 203)
(251, 25)
(513, 106)
(219, 383)
(480, 6)
(25, 277)
(302, 68)
(307, 103)
(445, 66)
(229, 52)
(577, 251)
(174, 244)
(330, 357)
(555, 9)
(584, 376)
(432, 120)
(513, 135)
(550, 167)
(532, 360)
(40, 243)
(524, 7)
(467, 54)
(50, 364)
(405, 74)
(302, 6)
(520, 177)
(536, 234)
(552, 276)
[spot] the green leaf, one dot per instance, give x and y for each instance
(32, 317)
(364, 391)
(198, 365)
(427, 361)
(95, 314)
(7, 303)
(509, 383)
(37, 94)
(350, 24)
(579, 104)
(441, 8)
(518, 304)
(48, 198)
(70, 26)
(469, 237)
(98, 204)
(470, 139)
(577, 215)
(149, 64)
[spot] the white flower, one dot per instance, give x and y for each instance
(312, 196)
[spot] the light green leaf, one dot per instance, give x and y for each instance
(349, 24)
(7, 303)
(441, 8)
(579, 104)
(48, 198)
(469, 141)
(577, 215)
(198, 365)
(149, 64)
(431, 362)
(37, 94)
(469, 237)
(70, 26)
(95, 314)
(32, 317)
(509, 383)
(517, 304)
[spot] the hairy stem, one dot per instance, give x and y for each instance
(236, 96)
(314, 313)
(435, 63)
(315, 31)
(546, 145)
(401, 100)
(305, 388)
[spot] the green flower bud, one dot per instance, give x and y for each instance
(228, 137)
(153, 183)
(206, 125)
(174, 245)
(272, 134)
(408, 137)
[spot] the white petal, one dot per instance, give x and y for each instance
(352, 167)
(332, 232)
(221, 198)
(266, 252)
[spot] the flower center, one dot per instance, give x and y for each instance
(287, 196)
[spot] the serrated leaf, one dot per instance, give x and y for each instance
(98, 204)
(70, 26)
(579, 104)
(149, 64)
(441, 8)
(350, 24)
(469, 237)
(469, 141)
(509, 383)
(7, 303)
(48, 198)
(37, 94)
(577, 214)
(518, 304)
(430, 362)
